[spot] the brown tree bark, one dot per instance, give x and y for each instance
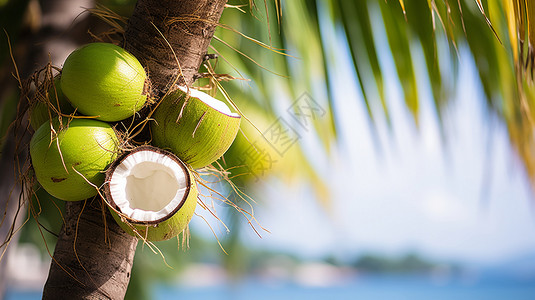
(85, 266)
(187, 26)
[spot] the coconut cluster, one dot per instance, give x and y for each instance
(78, 149)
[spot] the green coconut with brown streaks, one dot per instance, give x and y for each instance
(71, 159)
(196, 132)
(105, 81)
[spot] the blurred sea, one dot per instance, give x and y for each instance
(377, 288)
(369, 287)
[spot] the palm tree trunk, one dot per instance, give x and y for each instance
(187, 26)
(85, 265)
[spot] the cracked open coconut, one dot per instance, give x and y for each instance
(199, 129)
(151, 192)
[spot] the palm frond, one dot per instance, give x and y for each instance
(410, 28)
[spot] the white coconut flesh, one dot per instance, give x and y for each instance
(220, 106)
(148, 186)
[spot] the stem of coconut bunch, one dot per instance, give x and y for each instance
(94, 256)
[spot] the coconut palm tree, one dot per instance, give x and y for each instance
(285, 49)
(100, 266)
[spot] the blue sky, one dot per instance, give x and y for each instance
(465, 198)
(452, 200)
(461, 198)
(441, 199)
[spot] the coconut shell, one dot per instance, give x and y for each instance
(199, 136)
(87, 147)
(166, 227)
(105, 81)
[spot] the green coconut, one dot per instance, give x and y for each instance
(105, 81)
(204, 131)
(77, 154)
(39, 111)
(152, 194)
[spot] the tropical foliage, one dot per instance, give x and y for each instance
(499, 35)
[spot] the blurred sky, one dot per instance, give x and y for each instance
(463, 197)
